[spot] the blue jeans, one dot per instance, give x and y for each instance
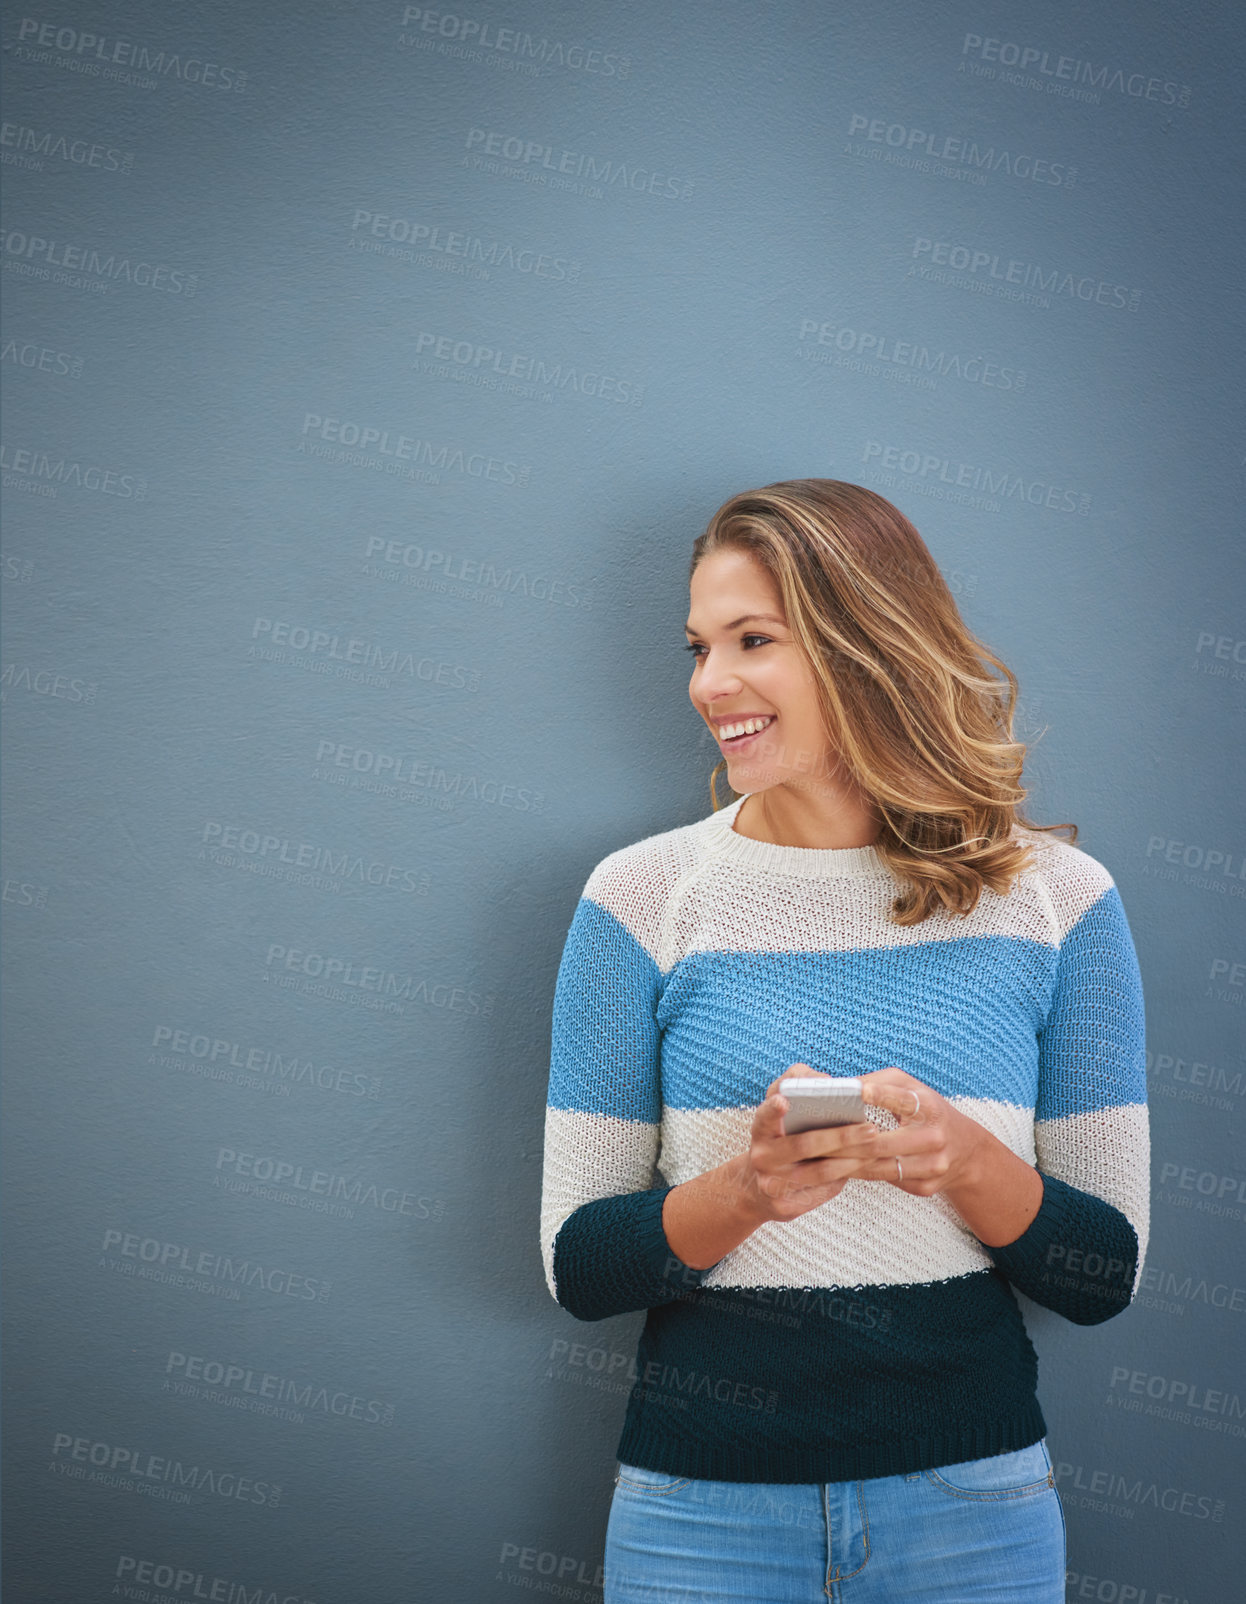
(986, 1531)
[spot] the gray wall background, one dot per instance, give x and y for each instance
(369, 370)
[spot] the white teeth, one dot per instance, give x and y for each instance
(750, 726)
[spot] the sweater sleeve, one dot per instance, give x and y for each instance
(1082, 1255)
(602, 1242)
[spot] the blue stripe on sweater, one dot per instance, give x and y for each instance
(962, 1016)
(1093, 1043)
(605, 1037)
(971, 1017)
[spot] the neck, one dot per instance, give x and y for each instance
(820, 819)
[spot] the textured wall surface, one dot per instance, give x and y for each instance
(368, 372)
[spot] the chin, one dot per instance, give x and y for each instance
(745, 777)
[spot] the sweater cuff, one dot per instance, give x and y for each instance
(1077, 1255)
(611, 1256)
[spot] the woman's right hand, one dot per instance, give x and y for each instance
(778, 1178)
(784, 1177)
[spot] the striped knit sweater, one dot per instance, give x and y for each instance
(874, 1335)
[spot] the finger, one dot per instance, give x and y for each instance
(915, 1141)
(831, 1141)
(794, 1071)
(815, 1172)
(768, 1121)
(900, 1094)
(886, 1169)
(891, 1077)
(796, 1185)
(791, 1070)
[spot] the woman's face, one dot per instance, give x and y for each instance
(746, 665)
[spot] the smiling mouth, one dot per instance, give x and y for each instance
(734, 742)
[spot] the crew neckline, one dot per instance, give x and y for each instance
(862, 863)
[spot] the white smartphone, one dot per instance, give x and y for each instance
(819, 1102)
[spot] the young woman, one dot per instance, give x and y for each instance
(834, 1391)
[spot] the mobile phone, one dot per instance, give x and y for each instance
(820, 1102)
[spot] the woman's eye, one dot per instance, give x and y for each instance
(697, 648)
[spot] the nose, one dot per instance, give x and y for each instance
(715, 681)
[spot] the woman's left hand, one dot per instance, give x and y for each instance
(933, 1148)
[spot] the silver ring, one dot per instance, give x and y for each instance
(917, 1105)
(899, 1169)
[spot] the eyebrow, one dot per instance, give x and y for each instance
(746, 618)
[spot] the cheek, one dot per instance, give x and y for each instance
(804, 730)
(797, 705)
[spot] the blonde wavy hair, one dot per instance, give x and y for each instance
(906, 694)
